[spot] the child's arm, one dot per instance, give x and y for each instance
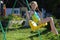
(40, 13)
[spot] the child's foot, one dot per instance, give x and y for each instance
(55, 32)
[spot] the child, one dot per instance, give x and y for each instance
(34, 6)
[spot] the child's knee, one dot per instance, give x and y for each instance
(51, 18)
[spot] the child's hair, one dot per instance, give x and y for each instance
(33, 2)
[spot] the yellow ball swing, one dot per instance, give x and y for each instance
(33, 23)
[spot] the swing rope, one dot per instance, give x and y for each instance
(27, 4)
(11, 12)
(4, 34)
(34, 12)
(14, 6)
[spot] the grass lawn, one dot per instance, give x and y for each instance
(25, 34)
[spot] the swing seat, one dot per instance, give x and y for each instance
(34, 26)
(34, 22)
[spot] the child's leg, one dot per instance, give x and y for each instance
(50, 19)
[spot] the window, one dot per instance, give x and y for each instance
(16, 11)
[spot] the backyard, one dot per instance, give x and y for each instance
(18, 32)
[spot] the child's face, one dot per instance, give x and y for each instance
(34, 6)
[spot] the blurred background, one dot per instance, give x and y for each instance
(51, 6)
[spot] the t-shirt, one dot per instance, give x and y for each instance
(34, 16)
(30, 15)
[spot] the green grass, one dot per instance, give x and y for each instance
(15, 33)
(25, 34)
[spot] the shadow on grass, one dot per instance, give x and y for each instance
(13, 29)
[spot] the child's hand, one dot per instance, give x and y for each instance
(32, 13)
